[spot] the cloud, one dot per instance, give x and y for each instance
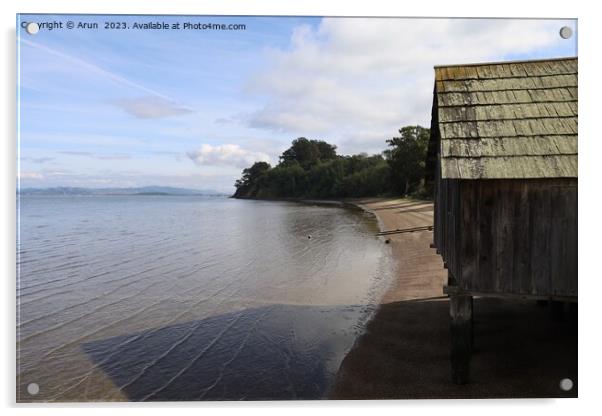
(112, 156)
(151, 107)
(76, 153)
(356, 81)
(30, 175)
(38, 159)
(176, 155)
(226, 154)
(92, 68)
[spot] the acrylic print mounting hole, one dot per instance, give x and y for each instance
(566, 384)
(566, 32)
(33, 388)
(32, 28)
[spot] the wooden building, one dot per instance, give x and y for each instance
(503, 160)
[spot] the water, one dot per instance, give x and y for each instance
(190, 298)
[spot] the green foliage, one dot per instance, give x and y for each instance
(308, 153)
(286, 181)
(370, 181)
(252, 180)
(312, 169)
(407, 158)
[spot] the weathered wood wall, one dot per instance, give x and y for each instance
(516, 236)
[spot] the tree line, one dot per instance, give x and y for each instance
(313, 169)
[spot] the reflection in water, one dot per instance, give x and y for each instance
(188, 298)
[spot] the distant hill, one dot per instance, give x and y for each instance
(144, 190)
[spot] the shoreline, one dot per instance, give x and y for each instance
(403, 352)
(419, 271)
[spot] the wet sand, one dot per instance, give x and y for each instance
(519, 351)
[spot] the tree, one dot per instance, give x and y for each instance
(285, 181)
(407, 158)
(308, 152)
(327, 151)
(249, 183)
(312, 169)
(325, 178)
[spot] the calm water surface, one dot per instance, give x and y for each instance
(190, 298)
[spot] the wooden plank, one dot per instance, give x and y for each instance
(509, 128)
(441, 210)
(486, 267)
(513, 167)
(565, 266)
(548, 95)
(540, 217)
(556, 255)
(451, 219)
(511, 83)
(437, 204)
(521, 273)
(510, 146)
(456, 290)
(406, 230)
(519, 237)
(458, 229)
(572, 242)
(469, 224)
(563, 239)
(504, 243)
(512, 236)
(443, 196)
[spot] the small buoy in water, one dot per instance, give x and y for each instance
(309, 237)
(388, 241)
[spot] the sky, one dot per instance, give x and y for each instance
(192, 108)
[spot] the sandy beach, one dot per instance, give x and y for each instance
(519, 351)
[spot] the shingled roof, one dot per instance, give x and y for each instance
(507, 120)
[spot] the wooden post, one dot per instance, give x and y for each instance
(460, 310)
(451, 280)
(471, 323)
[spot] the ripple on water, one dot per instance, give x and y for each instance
(159, 298)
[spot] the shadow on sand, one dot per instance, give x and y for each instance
(518, 352)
